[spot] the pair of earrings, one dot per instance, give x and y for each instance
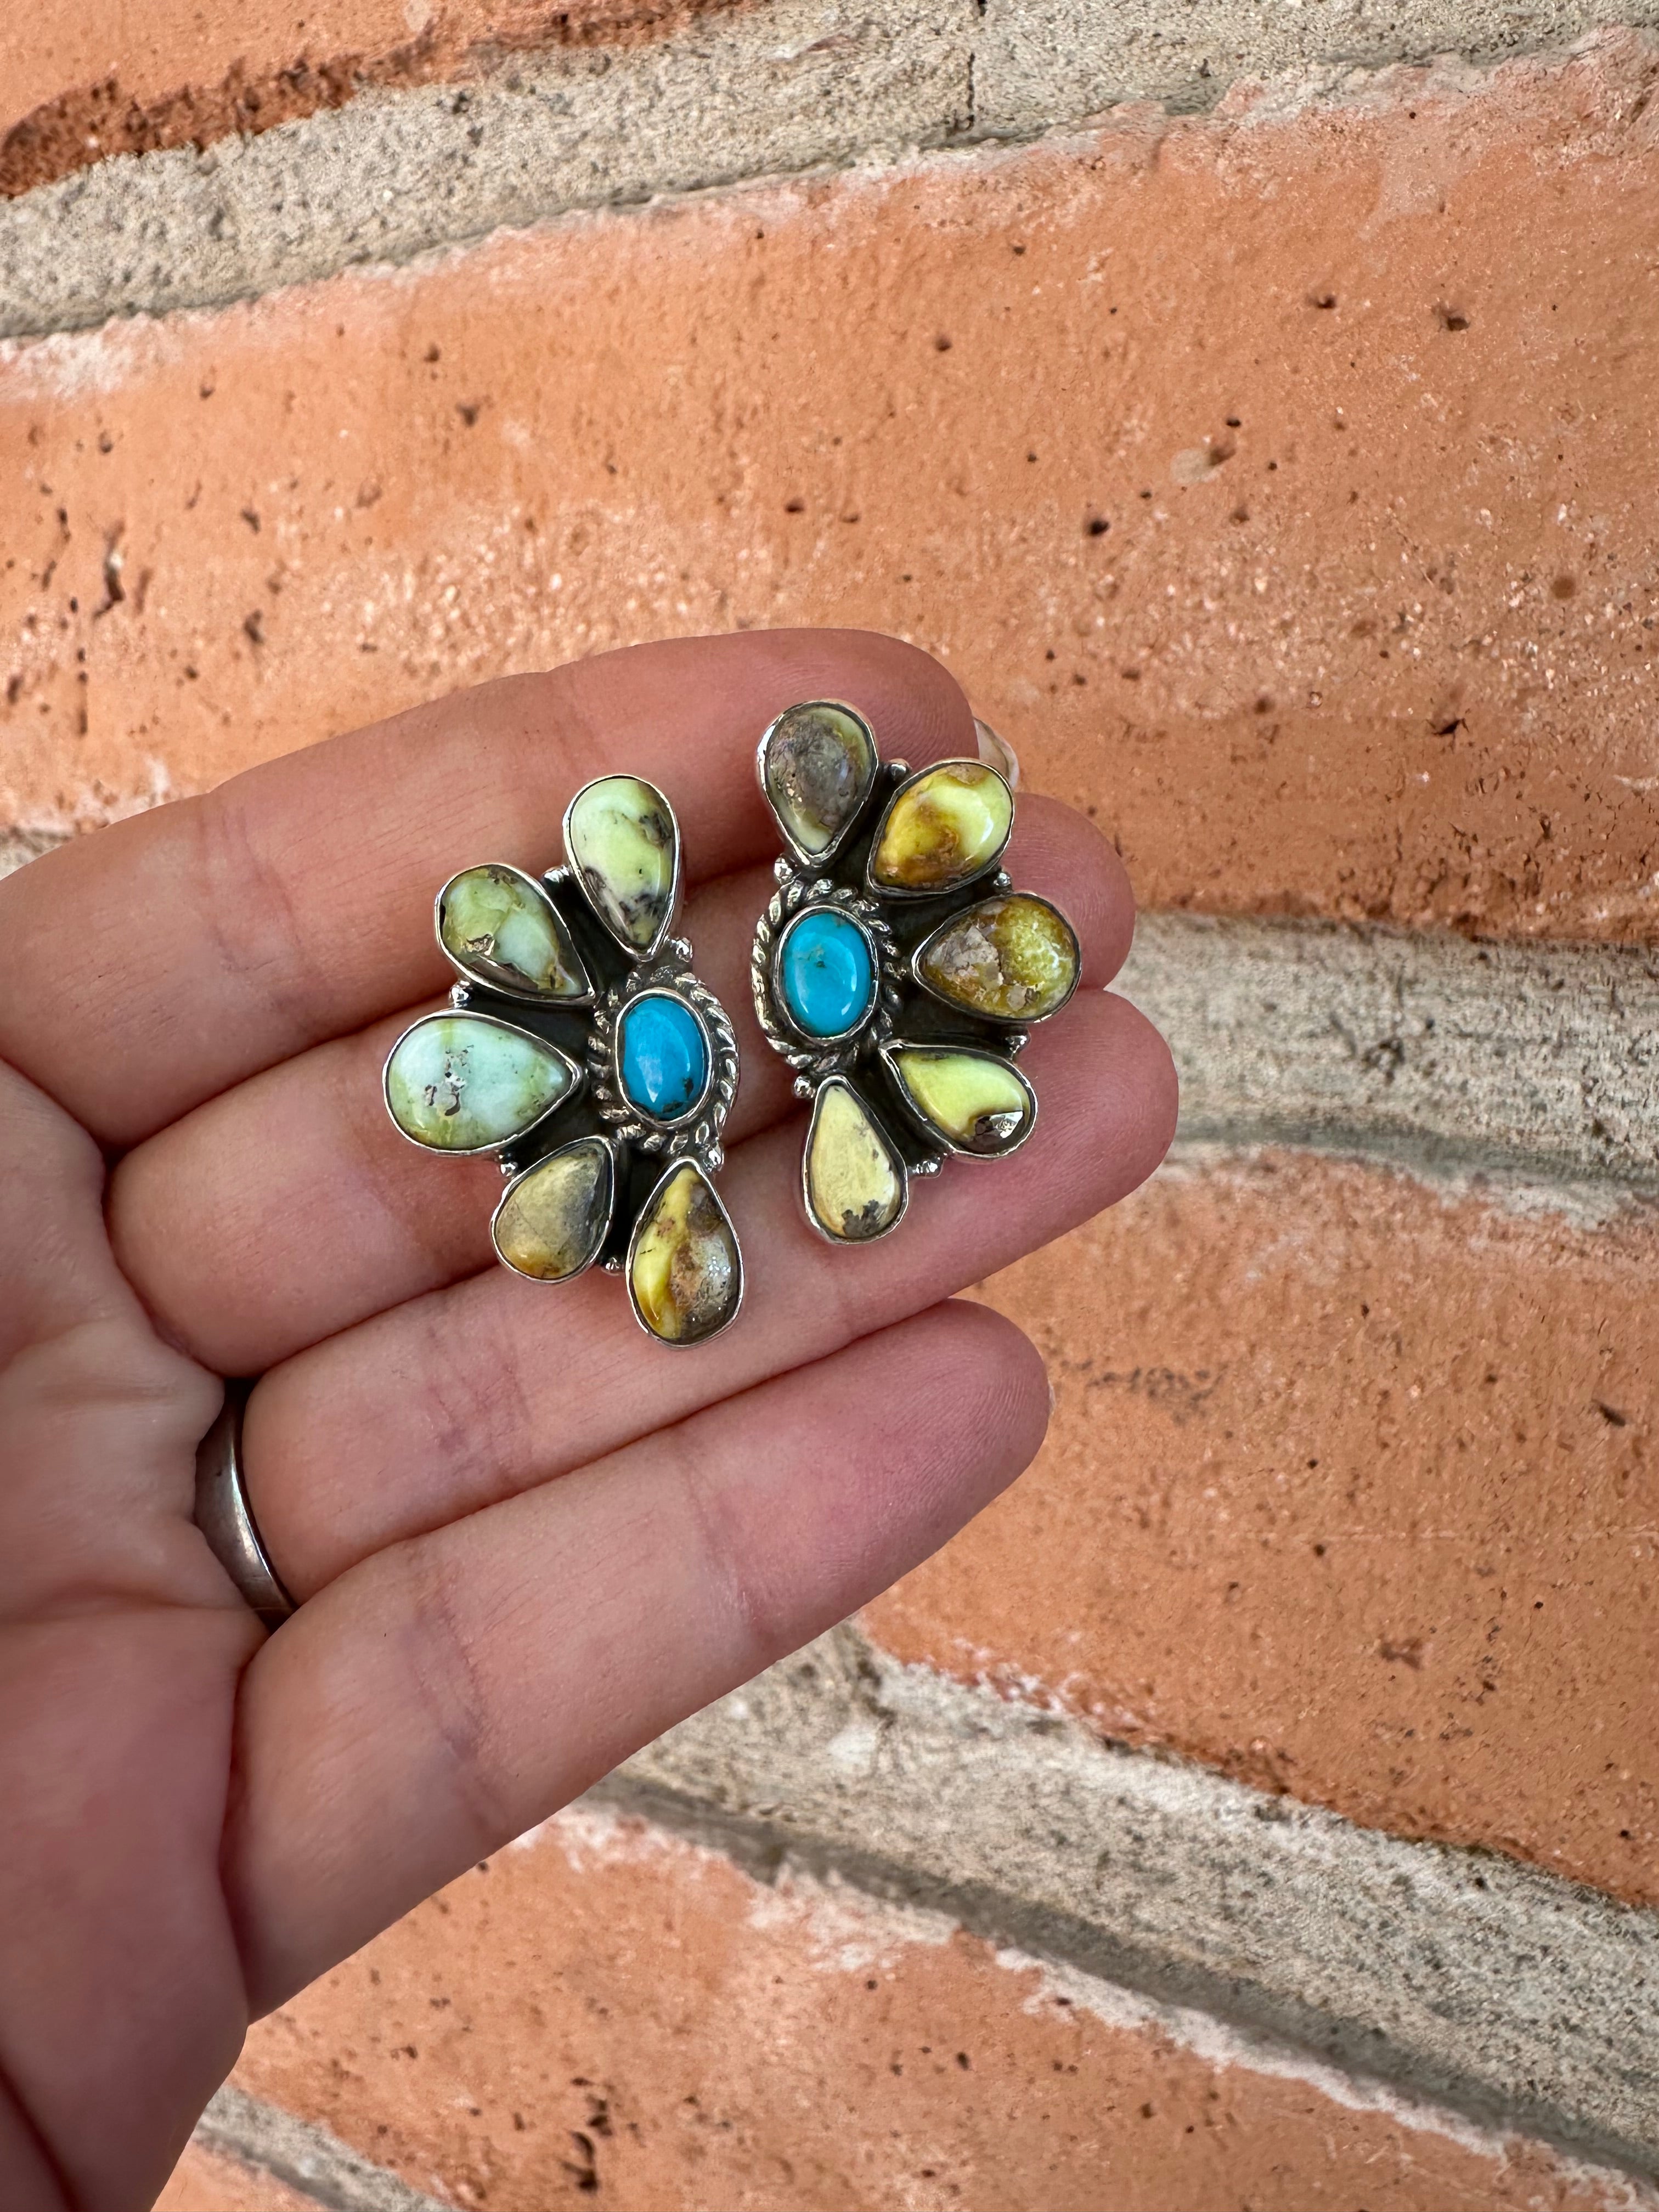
(895, 970)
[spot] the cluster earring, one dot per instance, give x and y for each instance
(897, 969)
(581, 1050)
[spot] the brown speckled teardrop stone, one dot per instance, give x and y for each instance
(684, 1275)
(1011, 959)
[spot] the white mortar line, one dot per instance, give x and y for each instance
(308, 2158)
(839, 1927)
(1535, 1062)
(768, 91)
(1216, 2044)
(1465, 1979)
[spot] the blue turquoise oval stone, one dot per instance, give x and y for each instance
(828, 976)
(664, 1057)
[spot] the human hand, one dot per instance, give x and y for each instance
(525, 1540)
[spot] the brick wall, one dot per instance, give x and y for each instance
(1261, 1803)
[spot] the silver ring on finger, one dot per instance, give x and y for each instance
(226, 1519)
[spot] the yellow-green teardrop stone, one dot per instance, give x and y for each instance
(975, 1100)
(685, 1276)
(554, 1216)
(945, 826)
(1012, 959)
(503, 930)
(620, 839)
(855, 1182)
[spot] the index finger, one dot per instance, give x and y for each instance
(151, 966)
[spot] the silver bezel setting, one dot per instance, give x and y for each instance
(697, 1133)
(675, 1163)
(460, 1012)
(1002, 888)
(676, 883)
(476, 972)
(931, 1129)
(866, 930)
(911, 893)
(815, 1058)
(825, 853)
(618, 1081)
(523, 1174)
(849, 1243)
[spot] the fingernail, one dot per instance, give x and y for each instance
(996, 752)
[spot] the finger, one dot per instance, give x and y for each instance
(290, 1208)
(443, 1406)
(174, 954)
(99, 1418)
(483, 1676)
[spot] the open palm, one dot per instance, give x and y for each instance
(525, 1540)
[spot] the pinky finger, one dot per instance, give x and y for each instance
(454, 1689)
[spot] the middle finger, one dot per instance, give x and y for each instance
(477, 1391)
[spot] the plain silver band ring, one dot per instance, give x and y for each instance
(225, 1518)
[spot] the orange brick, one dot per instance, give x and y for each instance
(606, 2011)
(1368, 628)
(204, 2182)
(79, 82)
(1349, 1490)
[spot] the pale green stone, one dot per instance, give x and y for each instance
(976, 1101)
(502, 930)
(619, 838)
(466, 1083)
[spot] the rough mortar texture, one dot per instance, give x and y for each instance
(1529, 1062)
(1039, 62)
(215, 2180)
(608, 2010)
(1465, 1978)
(782, 86)
(80, 82)
(19, 846)
(298, 2156)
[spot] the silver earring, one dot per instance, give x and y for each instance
(581, 1050)
(897, 969)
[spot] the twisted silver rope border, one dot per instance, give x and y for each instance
(798, 892)
(699, 1139)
